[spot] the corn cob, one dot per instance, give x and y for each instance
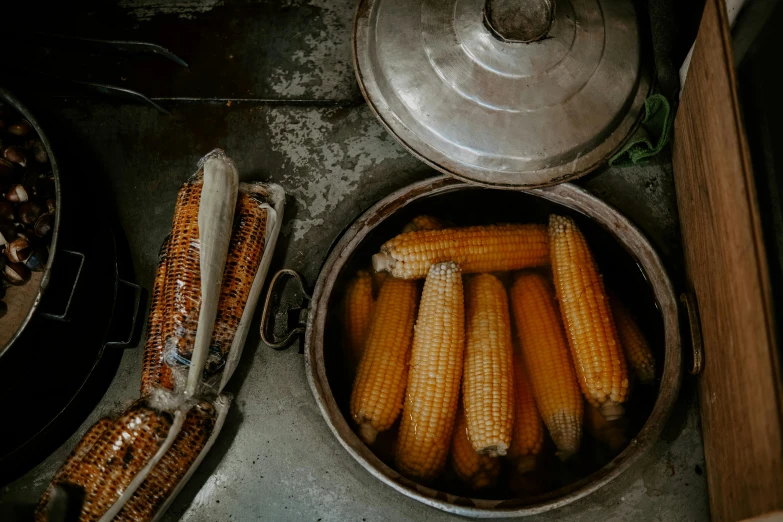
(357, 312)
(182, 291)
(377, 281)
(592, 335)
(72, 464)
(183, 277)
(434, 379)
(612, 434)
(155, 372)
(175, 463)
(545, 352)
(637, 352)
(379, 387)
(528, 431)
(494, 248)
(479, 471)
(487, 381)
(118, 454)
(245, 250)
(425, 222)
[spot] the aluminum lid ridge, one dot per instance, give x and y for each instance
(499, 94)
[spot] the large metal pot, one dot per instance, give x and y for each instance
(320, 355)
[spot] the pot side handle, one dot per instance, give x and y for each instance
(73, 271)
(270, 310)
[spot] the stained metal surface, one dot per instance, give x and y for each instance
(276, 458)
(504, 93)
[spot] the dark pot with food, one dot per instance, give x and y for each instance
(63, 299)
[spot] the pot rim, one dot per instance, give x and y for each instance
(565, 194)
(18, 106)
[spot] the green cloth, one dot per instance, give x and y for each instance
(651, 136)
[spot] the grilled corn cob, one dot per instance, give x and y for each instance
(72, 464)
(357, 312)
(172, 467)
(434, 378)
(612, 434)
(425, 222)
(492, 248)
(592, 335)
(487, 381)
(245, 250)
(183, 276)
(118, 454)
(182, 291)
(479, 471)
(528, 431)
(637, 352)
(155, 372)
(545, 352)
(379, 387)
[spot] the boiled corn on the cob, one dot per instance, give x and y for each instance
(379, 387)
(635, 347)
(478, 471)
(487, 380)
(545, 352)
(475, 249)
(528, 430)
(592, 335)
(434, 377)
(155, 372)
(121, 451)
(610, 433)
(172, 467)
(357, 312)
(425, 222)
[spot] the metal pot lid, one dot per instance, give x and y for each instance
(504, 92)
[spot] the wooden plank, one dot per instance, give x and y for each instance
(740, 389)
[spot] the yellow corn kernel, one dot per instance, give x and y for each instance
(543, 345)
(528, 430)
(435, 372)
(635, 347)
(425, 222)
(478, 471)
(379, 387)
(357, 312)
(494, 248)
(487, 379)
(587, 317)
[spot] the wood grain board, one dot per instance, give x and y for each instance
(740, 388)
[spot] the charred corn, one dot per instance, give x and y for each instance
(478, 471)
(155, 372)
(245, 250)
(528, 430)
(183, 276)
(172, 467)
(544, 348)
(492, 248)
(425, 222)
(487, 379)
(118, 454)
(72, 464)
(587, 317)
(379, 387)
(357, 312)
(635, 347)
(435, 372)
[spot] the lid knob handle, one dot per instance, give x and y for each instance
(520, 21)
